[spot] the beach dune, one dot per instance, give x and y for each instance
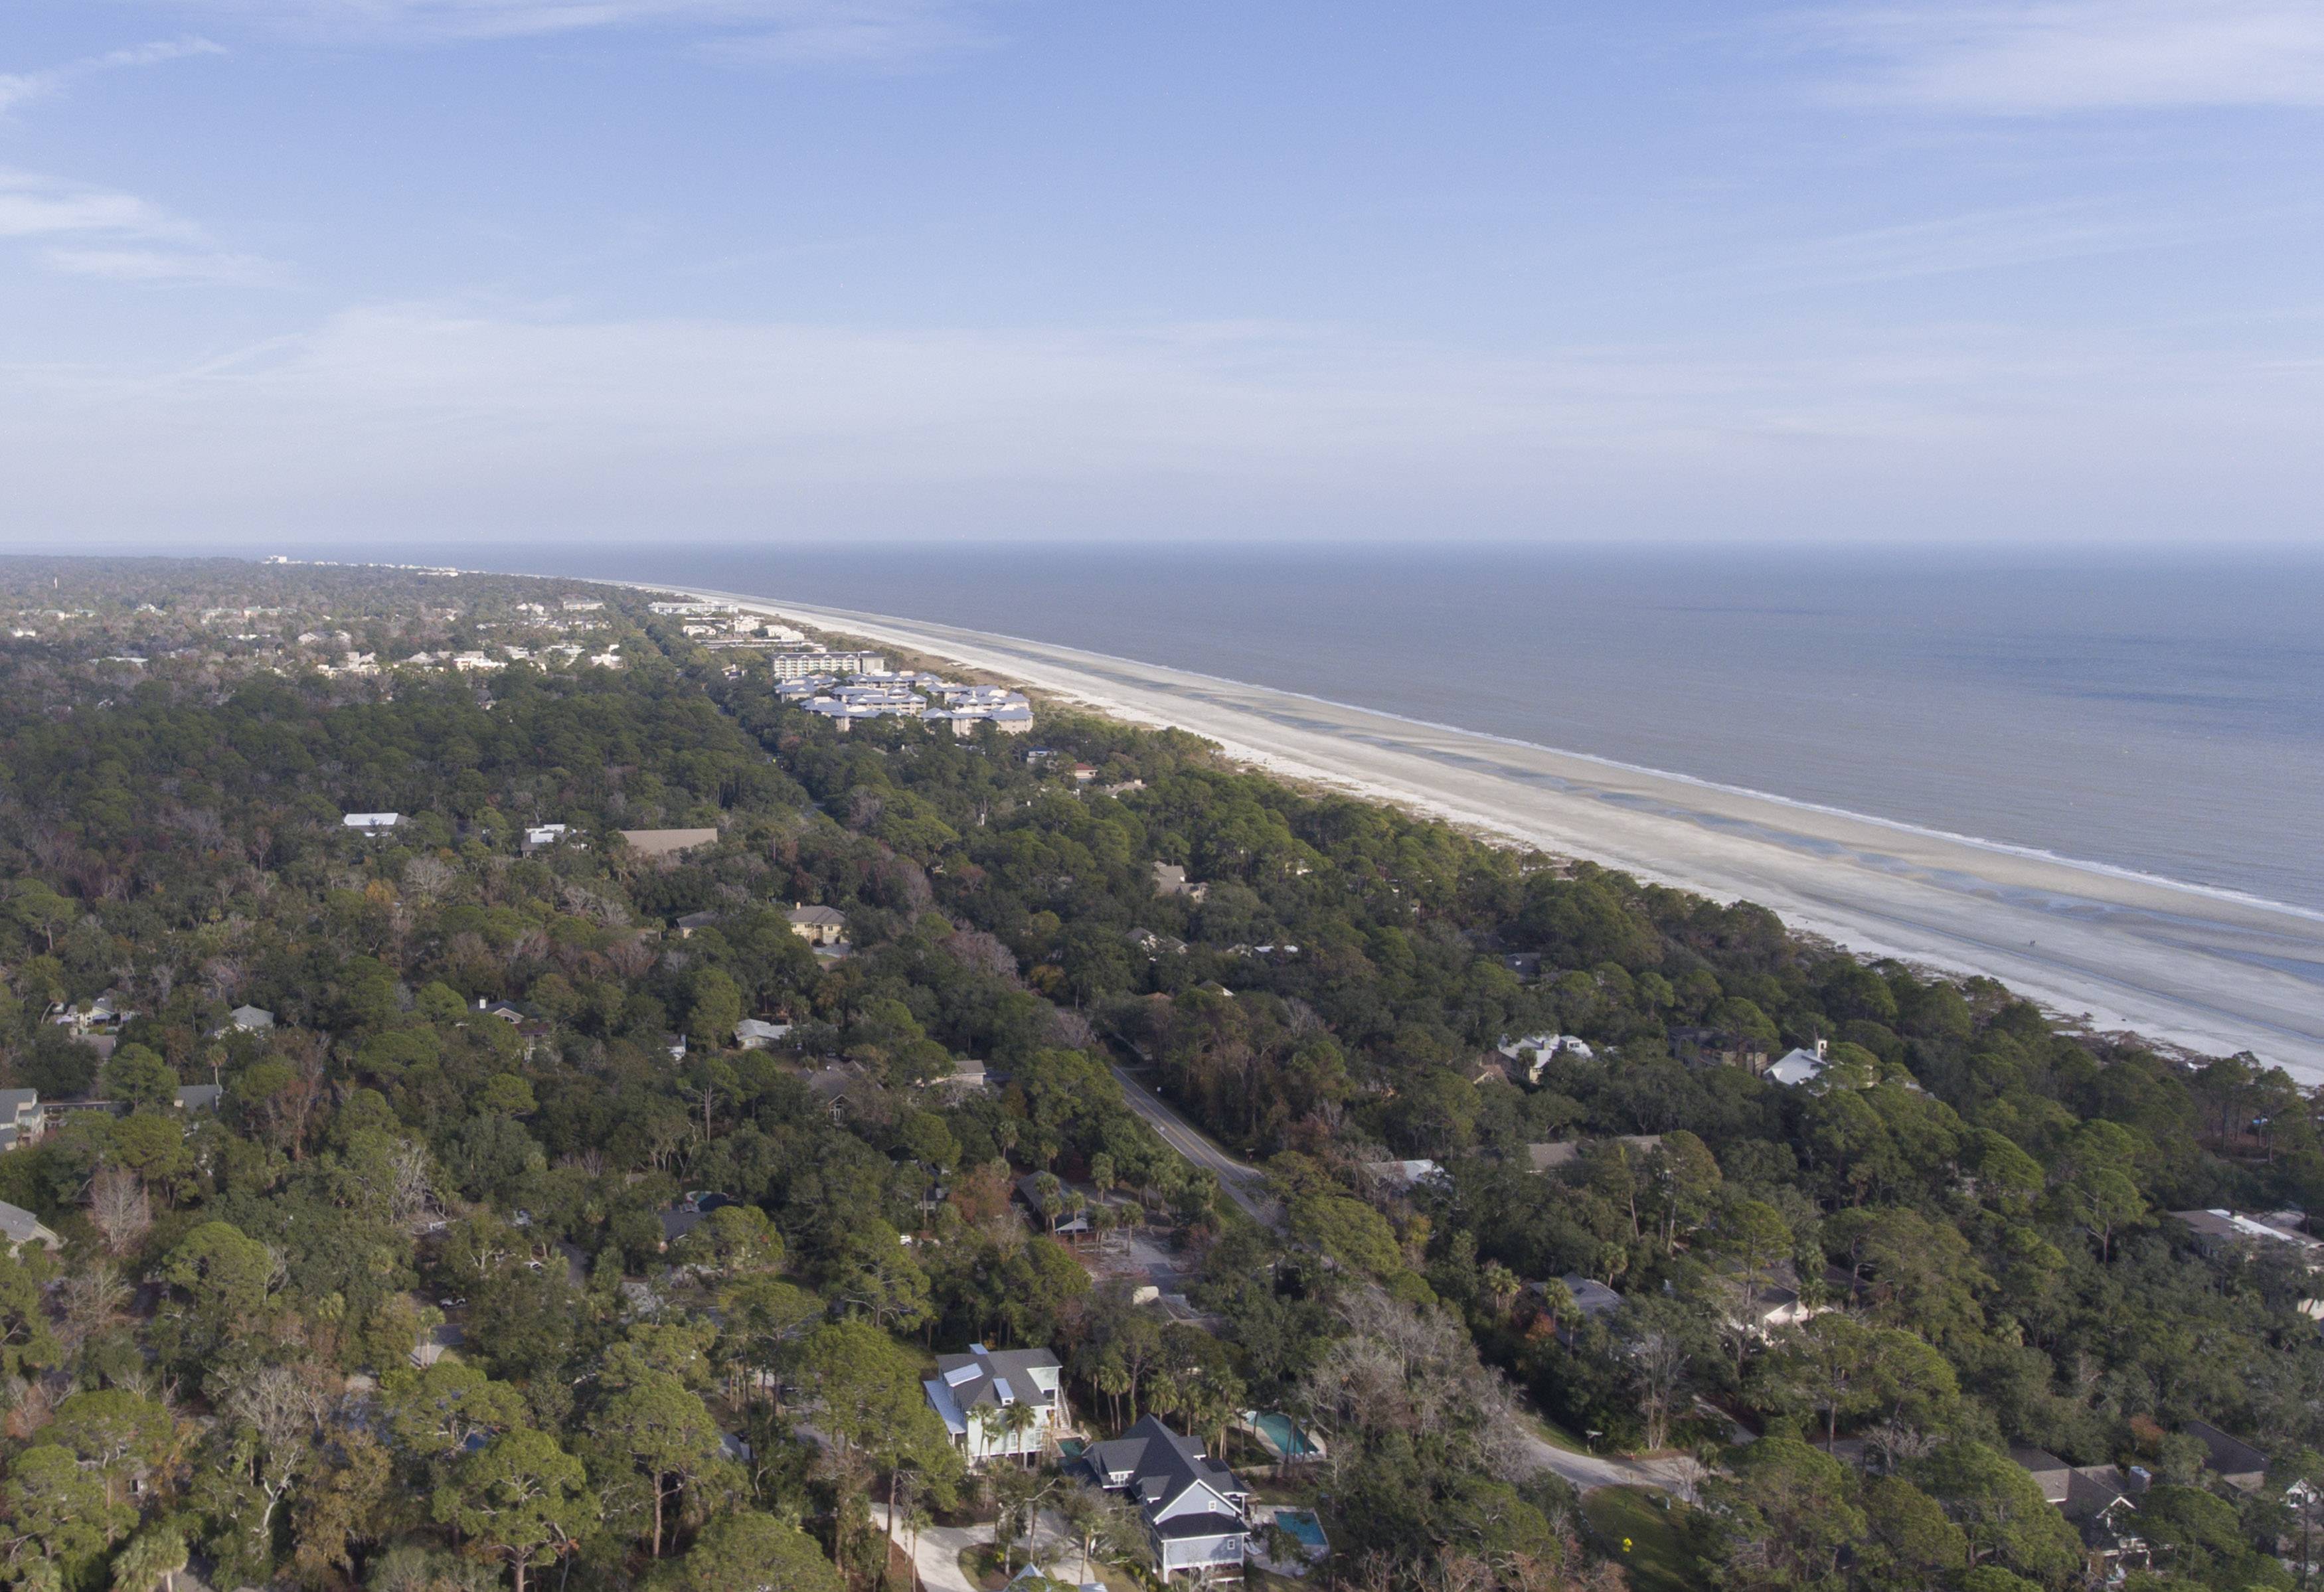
(2209, 971)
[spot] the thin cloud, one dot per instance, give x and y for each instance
(165, 265)
(21, 87)
(1997, 239)
(822, 33)
(94, 232)
(2058, 57)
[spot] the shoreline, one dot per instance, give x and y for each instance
(2210, 971)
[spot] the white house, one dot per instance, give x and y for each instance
(975, 1395)
(371, 822)
(1796, 1067)
(23, 1118)
(753, 1034)
(1534, 1049)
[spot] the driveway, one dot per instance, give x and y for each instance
(936, 1558)
(1675, 1474)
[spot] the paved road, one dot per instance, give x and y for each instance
(1245, 1184)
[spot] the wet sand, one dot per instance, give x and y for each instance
(2209, 971)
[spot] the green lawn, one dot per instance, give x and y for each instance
(1657, 1558)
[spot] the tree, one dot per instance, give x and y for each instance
(1753, 1234)
(521, 1498)
(53, 1510)
(1106, 1528)
(28, 1343)
(667, 1435)
(1787, 1514)
(748, 1552)
(118, 1435)
(220, 1279)
(150, 1562)
(1909, 1544)
(139, 1078)
(442, 1411)
(715, 1008)
(2000, 1509)
(1826, 1363)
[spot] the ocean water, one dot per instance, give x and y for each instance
(2157, 712)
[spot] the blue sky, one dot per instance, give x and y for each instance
(712, 268)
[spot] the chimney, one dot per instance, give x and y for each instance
(1821, 1046)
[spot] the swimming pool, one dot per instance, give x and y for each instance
(1303, 1524)
(1283, 1436)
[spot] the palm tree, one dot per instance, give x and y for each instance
(1017, 1419)
(1502, 1283)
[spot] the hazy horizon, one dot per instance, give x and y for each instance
(734, 270)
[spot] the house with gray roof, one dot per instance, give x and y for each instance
(19, 1226)
(973, 1393)
(1197, 1513)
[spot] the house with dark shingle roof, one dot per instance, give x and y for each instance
(973, 1393)
(1195, 1512)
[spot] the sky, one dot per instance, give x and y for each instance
(569, 270)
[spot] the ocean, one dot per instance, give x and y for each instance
(2156, 712)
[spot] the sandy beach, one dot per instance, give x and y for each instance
(2208, 970)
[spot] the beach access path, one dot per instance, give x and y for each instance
(2210, 971)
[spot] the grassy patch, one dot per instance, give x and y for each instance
(980, 1563)
(1657, 1558)
(1556, 1436)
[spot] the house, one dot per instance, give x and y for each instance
(1564, 1153)
(19, 1226)
(669, 843)
(818, 926)
(1403, 1176)
(1716, 1047)
(1801, 1066)
(2100, 1504)
(507, 1011)
(23, 1118)
(2052, 1475)
(250, 1020)
(543, 835)
(1170, 879)
(197, 1099)
(1535, 1050)
(1066, 1216)
(2224, 1232)
(2230, 1459)
(752, 1033)
(370, 823)
(966, 1077)
(1195, 1512)
(695, 920)
(973, 1393)
(1772, 1304)
(1593, 1301)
